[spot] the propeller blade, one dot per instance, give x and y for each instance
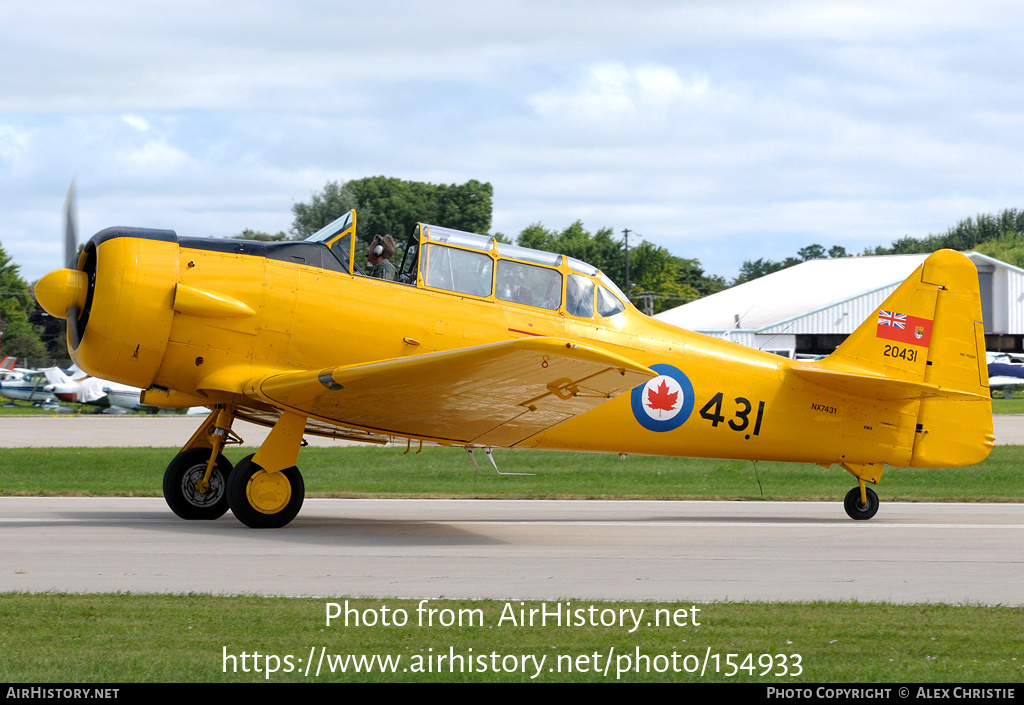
(70, 230)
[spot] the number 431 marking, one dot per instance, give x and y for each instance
(712, 411)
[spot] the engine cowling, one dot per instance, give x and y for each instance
(117, 302)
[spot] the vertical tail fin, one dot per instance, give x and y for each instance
(930, 331)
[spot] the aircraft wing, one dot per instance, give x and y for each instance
(489, 395)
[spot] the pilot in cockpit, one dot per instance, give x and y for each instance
(379, 256)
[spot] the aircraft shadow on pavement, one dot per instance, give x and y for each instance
(335, 531)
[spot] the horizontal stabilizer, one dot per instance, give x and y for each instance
(874, 386)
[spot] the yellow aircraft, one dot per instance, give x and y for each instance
(481, 344)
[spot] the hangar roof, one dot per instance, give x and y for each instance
(792, 292)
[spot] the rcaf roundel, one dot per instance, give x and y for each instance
(665, 402)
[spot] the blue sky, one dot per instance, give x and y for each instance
(720, 130)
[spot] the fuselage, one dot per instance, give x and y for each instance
(201, 317)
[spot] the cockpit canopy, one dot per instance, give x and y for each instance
(479, 266)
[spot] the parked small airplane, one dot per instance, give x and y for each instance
(1005, 373)
(86, 389)
(32, 385)
(52, 382)
(480, 344)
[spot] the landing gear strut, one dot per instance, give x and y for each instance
(186, 493)
(196, 481)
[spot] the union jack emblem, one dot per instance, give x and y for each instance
(889, 318)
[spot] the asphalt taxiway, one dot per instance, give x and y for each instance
(534, 549)
(539, 549)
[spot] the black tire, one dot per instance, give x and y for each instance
(180, 479)
(859, 511)
(281, 499)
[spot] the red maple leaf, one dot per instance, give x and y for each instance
(661, 399)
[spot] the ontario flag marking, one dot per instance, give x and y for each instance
(903, 328)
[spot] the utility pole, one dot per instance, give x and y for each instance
(649, 303)
(626, 233)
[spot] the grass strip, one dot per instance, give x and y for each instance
(448, 472)
(125, 638)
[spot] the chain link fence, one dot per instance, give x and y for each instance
(38, 363)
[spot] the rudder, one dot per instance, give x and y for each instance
(955, 432)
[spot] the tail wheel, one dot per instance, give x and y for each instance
(264, 500)
(181, 485)
(857, 509)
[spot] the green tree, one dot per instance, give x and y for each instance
(811, 252)
(390, 206)
(691, 272)
(465, 207)
(653, 270)
(19, 337)
(249, 234)
(656, 271)
(968, 234)
(754, 269)
(599, 249)
(53, 332)
(322, 208)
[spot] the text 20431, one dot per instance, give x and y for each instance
(908, 354)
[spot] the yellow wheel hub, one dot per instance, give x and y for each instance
(268, 492)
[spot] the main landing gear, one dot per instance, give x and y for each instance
(265, 500)
(263, 491)
(187, 490)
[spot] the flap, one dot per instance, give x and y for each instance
(490, 395)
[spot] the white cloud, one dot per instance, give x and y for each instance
(612, 92)
(155, 155)
(136, 122)
(15, 143)
(726, 130)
